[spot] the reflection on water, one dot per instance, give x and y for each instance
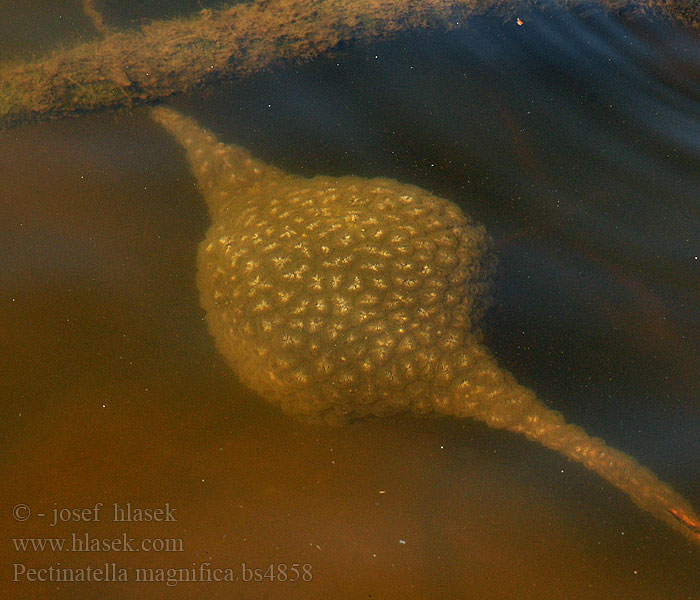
(575, 139)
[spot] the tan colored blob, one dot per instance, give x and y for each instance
(343, 298)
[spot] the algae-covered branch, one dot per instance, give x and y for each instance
(164, 58)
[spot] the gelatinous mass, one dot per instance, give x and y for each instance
(340, 298)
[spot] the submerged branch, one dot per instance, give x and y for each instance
(169, 57)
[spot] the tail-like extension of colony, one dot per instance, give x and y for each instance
(223, 171)
(489, 393)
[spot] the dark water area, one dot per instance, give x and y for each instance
(575, 138)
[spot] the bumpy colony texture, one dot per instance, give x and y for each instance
(342, 298)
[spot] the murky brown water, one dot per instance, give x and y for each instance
(112, 392)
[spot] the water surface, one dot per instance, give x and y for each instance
(575, 138)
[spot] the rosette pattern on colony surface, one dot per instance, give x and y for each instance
(344, 297)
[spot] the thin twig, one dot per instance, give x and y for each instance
(95, 16)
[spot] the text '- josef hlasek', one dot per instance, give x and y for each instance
(118, 513)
